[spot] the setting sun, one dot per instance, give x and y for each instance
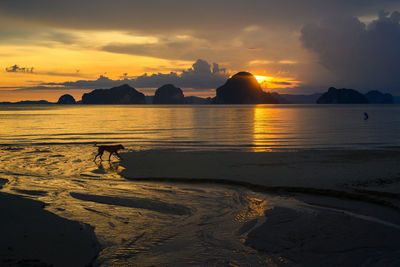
(263, 79)
(276, 82)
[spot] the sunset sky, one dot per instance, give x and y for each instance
(48, 48)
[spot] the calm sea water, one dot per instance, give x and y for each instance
(248, 127)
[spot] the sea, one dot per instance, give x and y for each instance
(47, 151)
(204, 127)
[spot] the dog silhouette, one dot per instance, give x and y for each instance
(112, 149)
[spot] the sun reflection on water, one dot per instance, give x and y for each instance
(263, 131)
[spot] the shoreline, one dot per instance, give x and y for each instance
(370, 176)
(323, 169)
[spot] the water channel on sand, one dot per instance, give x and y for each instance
(143, 223)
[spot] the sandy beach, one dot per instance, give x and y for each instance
(343, 170)
(300, 208)
(31, 236)
(349, 211)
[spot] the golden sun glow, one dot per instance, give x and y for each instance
(54, 62)
(262, 79)
(269, 82)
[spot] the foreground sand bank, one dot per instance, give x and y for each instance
(316, 169)
(32, 236)
(348, 214)
(367, 175)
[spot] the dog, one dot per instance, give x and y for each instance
(111, 149)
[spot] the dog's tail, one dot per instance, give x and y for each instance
(95, 144)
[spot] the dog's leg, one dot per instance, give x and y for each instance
(96, 156)
(109, 157)
(116, 153)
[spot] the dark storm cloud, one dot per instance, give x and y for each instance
(200, 76)
(204, 16)
(361, 56)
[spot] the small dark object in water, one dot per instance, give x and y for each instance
(366, 116)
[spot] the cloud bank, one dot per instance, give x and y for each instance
(160, 16)
(201, 77)
(362, 56)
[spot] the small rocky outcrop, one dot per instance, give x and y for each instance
(243, 88)
(342, 96)
(194, 100)
(66, 99)
(169, 94)
(376, 97)
(123, 94)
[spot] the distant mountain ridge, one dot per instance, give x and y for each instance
(342, 96)
(376, 97)
(351, 96)
(194, 100)
(298, 99)
(28, 102)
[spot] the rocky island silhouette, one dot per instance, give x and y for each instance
(241, 88)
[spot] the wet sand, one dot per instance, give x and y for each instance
(368, 175)
(136, 223)
(348, 213)
(32, 236)
(312, 169)
(312, 208)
